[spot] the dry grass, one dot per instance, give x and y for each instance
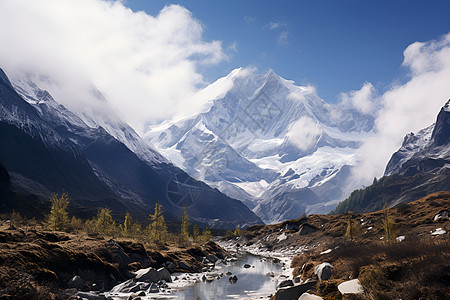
(416, 269)
(34, 263)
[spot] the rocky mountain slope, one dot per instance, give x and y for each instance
(98, 159)
(273, 144)
(419, 167)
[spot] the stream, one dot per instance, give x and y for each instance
(257, 280)
(252, 283)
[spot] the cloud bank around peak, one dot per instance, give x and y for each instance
(407, 107)
(363, 99)
(145, 65)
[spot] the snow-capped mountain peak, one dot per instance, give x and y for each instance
(258, 128)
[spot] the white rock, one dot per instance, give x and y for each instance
(323, 271)
(400, 238)
(438, 231)
(153, 275)
(325, 252)
(441, 215)
(351, 287)
(307, 296)
(282, 237)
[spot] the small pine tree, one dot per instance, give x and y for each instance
(237, 232)
(16, 218)
(76, 224)
(206, 235)
(185, 225)
(90, 226)
(353, 228)
(157, 227)
(390, 230)
(58, 217)
(229, 234)
(195, 233)
(127, 226)
(105, 221)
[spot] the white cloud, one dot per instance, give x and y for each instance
(283, 38)
(275, 25)
(362, 99)
(408, 107)
(146, 65)
(304, 133)
(249, 19)
(280, 27)
(233, 47)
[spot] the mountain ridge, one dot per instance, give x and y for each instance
(127, 168)
(421, 166)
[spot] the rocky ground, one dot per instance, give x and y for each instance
(318, 260)
(39, 264)
(415, 265)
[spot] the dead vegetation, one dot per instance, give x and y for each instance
(39, 264)
(415, 267)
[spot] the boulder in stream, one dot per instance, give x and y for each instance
(233, 279)
(153, 275)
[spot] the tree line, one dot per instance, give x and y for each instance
(103, 224)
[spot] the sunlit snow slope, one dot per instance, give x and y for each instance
(268, 142)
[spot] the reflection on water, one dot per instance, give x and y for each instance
(252, 282)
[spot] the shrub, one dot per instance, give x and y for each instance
(104, 221)
(185, 226)
(58, 217)
(75, 224)
(390, 230)
(157, 228)
(353, 228)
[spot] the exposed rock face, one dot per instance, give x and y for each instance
(420, 167)
(426, 151)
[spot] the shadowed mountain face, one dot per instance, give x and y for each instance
(47, 148)
(421, 166)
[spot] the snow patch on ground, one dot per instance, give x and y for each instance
(325, 252)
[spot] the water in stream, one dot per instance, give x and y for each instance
(253, 282)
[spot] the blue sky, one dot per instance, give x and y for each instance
(150, 66)
(334, 45)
